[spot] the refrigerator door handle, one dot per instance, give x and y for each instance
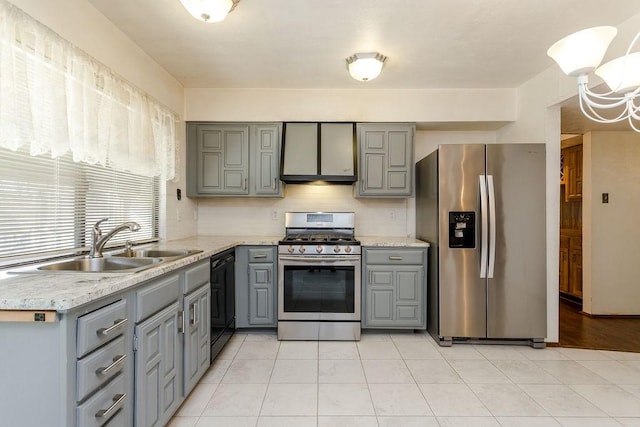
(484, 226)
(492, 226)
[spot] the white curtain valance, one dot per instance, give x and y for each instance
(55, 98)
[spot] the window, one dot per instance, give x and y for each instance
(48, 206)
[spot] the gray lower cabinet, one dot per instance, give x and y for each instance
(158, 355)
(197, 309)
(233, 159)
(125, 360)
(394, 288)
(75, 370)
(385, 154)
(256, 286)
(172, 346)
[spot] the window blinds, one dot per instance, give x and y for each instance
(49, 205)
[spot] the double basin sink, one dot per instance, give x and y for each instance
(127, 261)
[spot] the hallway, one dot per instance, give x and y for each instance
(602, 333)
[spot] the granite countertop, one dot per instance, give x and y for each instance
(392, 241)
(65, 291)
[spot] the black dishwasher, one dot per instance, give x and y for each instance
(223, 310)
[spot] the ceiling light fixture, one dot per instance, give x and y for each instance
(581, 53)
(209, 10)
(365, 66)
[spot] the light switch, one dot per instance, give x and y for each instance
(605, 197)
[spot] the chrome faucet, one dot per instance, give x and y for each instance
(98, 241)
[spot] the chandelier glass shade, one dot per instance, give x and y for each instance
(209, 10)
(365, 66)
(580, 54)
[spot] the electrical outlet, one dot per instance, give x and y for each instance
(178, 215)
(274, 215)
(605, 197)
(392, 215)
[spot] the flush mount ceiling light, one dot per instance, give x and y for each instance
(209, 10)
(581, 53)
(365, 66)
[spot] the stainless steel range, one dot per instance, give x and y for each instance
(319, 284)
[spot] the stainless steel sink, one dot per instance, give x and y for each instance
(155, 253)
(101, 265)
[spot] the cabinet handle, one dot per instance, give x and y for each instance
(117, 402)
(116, 324)
(259, 256)
(244, 184)
(268, 276)
(275, 183)
(371, 277)
(116, 361)
(362, 186)
(181, 322)
(193, 313)
(395, 258)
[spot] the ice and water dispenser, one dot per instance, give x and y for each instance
(462, 229)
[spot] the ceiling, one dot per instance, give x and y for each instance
(304, 43)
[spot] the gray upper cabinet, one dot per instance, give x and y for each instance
(234, 159)
(264, 178)
(386, 161)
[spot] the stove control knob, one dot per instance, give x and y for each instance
(348, 249)
(290, 249)
(336, 249)
(319, 249)
(301, 250)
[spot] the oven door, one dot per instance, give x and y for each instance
(319, 288)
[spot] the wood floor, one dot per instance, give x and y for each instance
(601, 333)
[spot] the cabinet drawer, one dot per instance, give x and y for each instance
(261, 255)
(155, 296)
(100, 366)
(104, 405)
(101, 326)
(196, 277)
(398, 257)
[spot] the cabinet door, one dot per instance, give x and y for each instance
(394, 297)
(409, 310)
(197, 348)
(379, 296)
(221, 159)
(386, 160)
(266, 153)
(261, 294)
(575, 274)
(564, 270)
(157, 368)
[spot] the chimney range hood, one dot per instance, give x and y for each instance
(318, 152)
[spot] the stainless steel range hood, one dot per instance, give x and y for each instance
(319, 152)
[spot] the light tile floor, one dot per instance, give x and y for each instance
(406, 379)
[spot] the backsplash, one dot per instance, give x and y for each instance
(265, 216)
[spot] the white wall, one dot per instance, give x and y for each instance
(610, 231)
(81, 24)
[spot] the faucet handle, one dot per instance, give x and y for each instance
(96, 231)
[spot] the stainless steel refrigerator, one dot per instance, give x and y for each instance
(482, 208)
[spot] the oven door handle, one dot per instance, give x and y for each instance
(306, 259)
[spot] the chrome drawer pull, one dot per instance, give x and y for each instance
(116, 325)
(117, 402)
(395, 258)
(116, 361)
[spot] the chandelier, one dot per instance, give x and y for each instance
(209, 10)
(365, 66)
(580, 54)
